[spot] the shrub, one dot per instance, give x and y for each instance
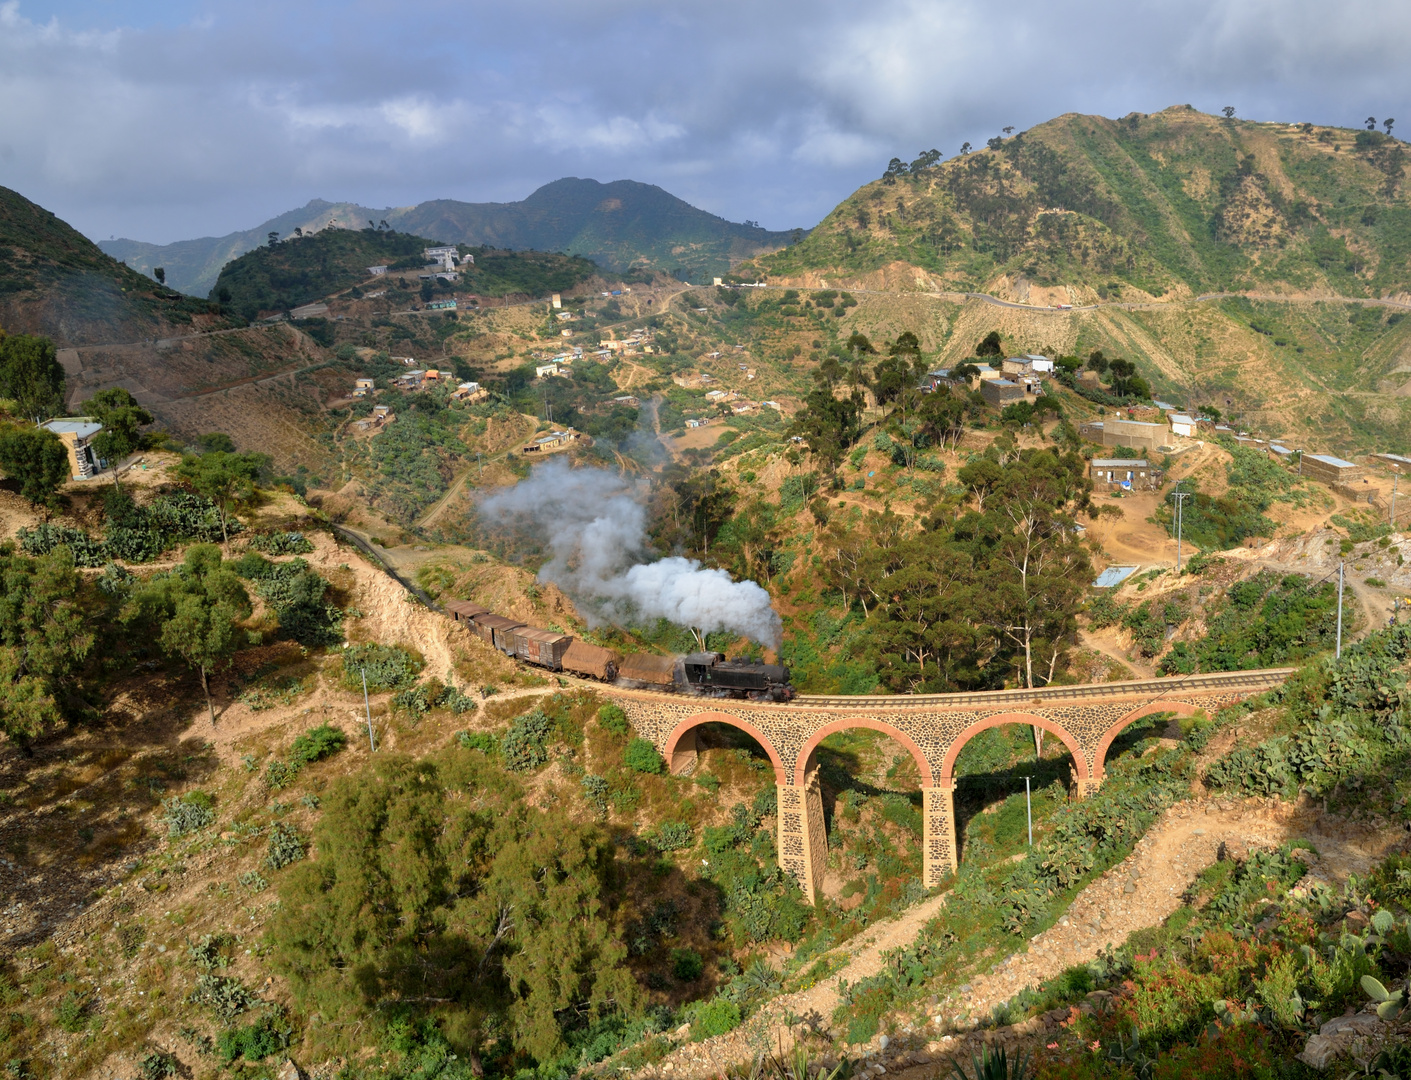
(192, 811)
(686, 964)
(225, 997)
(157, 1065)
(72, 1012)
(525, 745)
(672, 836)
(253, 1041)
(613, 719)
(478, 740)
(388, 667)
(282, 543)
(716, 1018)
(317, 744)
(641, 756)
(295, 593)
(286, 845)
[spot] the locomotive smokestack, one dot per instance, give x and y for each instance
(595, 527)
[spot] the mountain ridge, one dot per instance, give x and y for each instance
(1176, 202)
(620, 225)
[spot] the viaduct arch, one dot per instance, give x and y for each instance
(933, 728)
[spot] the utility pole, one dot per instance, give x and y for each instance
(1395, 476)
(371, 741)
(1338, 655)
(1180, 497)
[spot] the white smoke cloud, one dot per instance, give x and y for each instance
(594, 524)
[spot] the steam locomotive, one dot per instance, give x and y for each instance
(707, 674)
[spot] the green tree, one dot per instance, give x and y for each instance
(222, 477)
(38, 460)
(196, 611)
(461, 908)
(122, 419)
(829, 424)
(31, 376)
(43, 640)
(161, 275)
(990, 345)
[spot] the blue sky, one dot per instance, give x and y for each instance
(167, 121)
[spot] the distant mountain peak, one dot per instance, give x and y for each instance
(618, 224)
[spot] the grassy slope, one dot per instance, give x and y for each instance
(56, 282)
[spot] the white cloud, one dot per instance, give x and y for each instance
(772, 111)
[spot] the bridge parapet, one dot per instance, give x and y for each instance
(933, 728)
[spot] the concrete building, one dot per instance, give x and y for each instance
(1001, 392)
(1182, 425)
(362, 387)
(1331, 470)
(1135, 434)
(76, 433)
(1124, 474)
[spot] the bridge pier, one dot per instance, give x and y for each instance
(803, 840)
(938, 846)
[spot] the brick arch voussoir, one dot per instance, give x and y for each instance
(1080, 759)
(710, 717)
(806, 754)
(1180, 708)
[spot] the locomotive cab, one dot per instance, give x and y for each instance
(712, 672)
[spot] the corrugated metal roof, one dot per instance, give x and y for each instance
(81, 426)
(1336, 462)
(466, 608)
(497, 622)
(1114, 576)
(1119, 463)
(545, 637)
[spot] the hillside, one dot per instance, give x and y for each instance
(1174, 204)
(618, 225)
(303, 269)
(56, 282)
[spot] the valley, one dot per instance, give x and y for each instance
(267, 810)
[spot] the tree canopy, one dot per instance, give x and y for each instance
(31, 376)
(36, 458)
(196, 610)
(122, 419)
(43, 640)
(223, 477)
(487, 910)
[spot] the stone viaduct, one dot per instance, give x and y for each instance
(933, 728)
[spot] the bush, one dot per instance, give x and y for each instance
(295, 593)
(157, 1065)
(72, 1012)
(317, 744)
(225, 997)
(286, 845)
(478, 740)
(525, 745)
(614, 720)
(672, 836)
(686, 964)
(716, 1018)
(388, 667)
(192, 811)
(253, 1041)
(282, 543)
(641, 756)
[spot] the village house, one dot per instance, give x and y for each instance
(626, 399)
(76, 433)
(1001, 391)
(362, 387)
(742, 408)
(1124, 474)
(1281, 453)
(1029, 365)
(381, 414)
(1182, 425)
(469, 392)
(541, 370)
(376, 271)
(1135, 434)
(1331, 470)
(554, 440)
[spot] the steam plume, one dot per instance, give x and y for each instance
(595, 527)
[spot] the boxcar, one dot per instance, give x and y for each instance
(542, 647)
(592, 660)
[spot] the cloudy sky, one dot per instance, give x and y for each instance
(166, 121)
